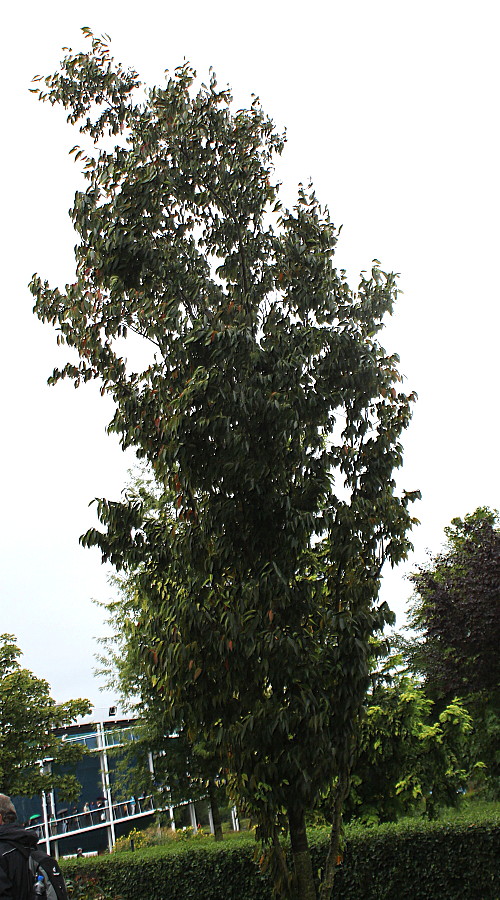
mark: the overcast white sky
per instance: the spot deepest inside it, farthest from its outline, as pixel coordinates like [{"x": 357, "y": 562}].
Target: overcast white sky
[{"x": 391, "y": 108}]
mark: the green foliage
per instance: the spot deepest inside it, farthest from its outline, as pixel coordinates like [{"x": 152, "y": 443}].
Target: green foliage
[
  {"x": 152, "y": 837},
  {"x": 456, "y": 616},
  {"x": 410, "y": 756},
  {"x": 28, "y": 717},
  {"x": 183, "y": 870},
  {"x": 140, "y": 838},
  {"x": 456, "y": 608},
  {"x": 446, "y": 860},
  {"x": 87, "y": 888},
  {"x": 267, "y": 408},
  {"x": 436, "y": 862},
  {"x": 182, "y": 767}
]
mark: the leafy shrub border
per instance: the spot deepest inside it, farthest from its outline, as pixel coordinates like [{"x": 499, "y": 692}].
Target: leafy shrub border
[{"x": 415, "y": 860}]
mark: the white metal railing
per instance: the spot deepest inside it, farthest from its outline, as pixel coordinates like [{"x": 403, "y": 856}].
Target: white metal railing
[
  {"x": 95, "y": 740},
  {"x": 67, "y": 823}
]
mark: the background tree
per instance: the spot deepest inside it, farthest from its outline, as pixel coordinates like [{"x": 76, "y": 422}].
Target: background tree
[
  {"x": 268, "y": 409},
  {"x": 28, "y": 717},
  {"x": 455, "y": 613}
]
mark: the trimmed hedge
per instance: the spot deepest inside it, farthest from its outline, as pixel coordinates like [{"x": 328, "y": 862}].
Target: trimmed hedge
[
  {"x": 190, "y": 871},
  {"x": 414, "y": 861},
  {"x": 434, "y": 862}
]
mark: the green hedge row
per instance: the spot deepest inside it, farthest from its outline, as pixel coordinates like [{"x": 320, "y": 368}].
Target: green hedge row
[
  {"x": 419, "y": 861},
  {"x": 190, "y": 871}
]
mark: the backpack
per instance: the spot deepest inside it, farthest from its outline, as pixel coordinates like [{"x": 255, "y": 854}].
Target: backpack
[{"x": 40, "y": 863}]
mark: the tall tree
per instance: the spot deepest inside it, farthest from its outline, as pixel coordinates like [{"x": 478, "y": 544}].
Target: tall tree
[
  {"x": 267, "y": 408},
  {"x": 455, "y": 613},
  {"x": 28, "y": 719}
]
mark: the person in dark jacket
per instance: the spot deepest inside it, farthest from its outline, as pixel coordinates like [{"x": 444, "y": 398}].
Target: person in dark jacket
[{"x": 15, "y": 846}]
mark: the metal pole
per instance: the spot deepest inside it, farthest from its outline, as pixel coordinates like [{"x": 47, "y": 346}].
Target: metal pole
[
  {"x": 106, "y": 784},
  {"x": 234, "y": 819},
  {"x": 46, "y": 822},
  {"x": 53, "y": 819}
]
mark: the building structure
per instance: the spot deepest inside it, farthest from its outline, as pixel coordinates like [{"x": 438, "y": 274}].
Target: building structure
[{"x": 100, "y": 817}]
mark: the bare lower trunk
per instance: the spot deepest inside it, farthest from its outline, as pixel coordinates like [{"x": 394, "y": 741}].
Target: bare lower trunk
[
  {"x": 214, "y": 806},
  {"x": 301, "y": 856},
  {"x": 332, "y": 859}
]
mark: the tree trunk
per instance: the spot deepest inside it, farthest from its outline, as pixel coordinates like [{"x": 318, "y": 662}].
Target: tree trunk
[
  {"x": 214, "y": 806},
  {"x": 342, "y": 790},
  {"x": 301, "y": 856}
]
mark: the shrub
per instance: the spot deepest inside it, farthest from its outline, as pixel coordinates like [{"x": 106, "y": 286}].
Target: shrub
[
  {"x": 140, "y": 839},
  {"x": 85, "y": 887},
  {"x": 154, "y": 836}
]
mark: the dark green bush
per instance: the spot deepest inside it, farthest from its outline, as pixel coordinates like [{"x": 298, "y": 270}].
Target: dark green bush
[{"x": 417, "y": 860}]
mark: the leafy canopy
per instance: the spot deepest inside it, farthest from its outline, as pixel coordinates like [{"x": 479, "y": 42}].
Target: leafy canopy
[{"x": 28, "y": 717}]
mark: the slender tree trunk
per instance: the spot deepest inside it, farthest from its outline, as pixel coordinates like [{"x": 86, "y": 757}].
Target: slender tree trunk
[
  {"x": 282, "y": 875},
  {"x": 342, "y": 790},
  {"x": 301, "y": 856},
  {"x": 214, "y": 806}
]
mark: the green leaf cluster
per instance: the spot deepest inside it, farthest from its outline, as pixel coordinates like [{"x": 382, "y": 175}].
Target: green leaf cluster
[
  {"x": 28, "y": 717},
  {"x": 410, "y": 756}
]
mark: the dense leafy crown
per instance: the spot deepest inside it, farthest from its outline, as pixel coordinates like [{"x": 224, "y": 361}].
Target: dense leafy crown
[{"x": 265, "y": 404}]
